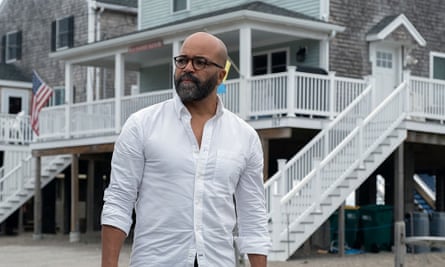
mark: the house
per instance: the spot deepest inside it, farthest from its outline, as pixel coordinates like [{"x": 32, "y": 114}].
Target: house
[
  {"x": 29, "y": 31},
  {"x": 339, "y": 92}
]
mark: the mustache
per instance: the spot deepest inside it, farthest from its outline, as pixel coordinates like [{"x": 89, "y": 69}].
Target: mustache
[{"x": 188, "y": 76}]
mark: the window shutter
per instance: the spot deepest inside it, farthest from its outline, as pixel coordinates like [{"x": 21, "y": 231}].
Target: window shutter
[
  {"x": 53, "y": 36},
  {"x": 19, "y": 46},
  {"x": 71, "y": 31},
  {"x": 3, "y": 49}
]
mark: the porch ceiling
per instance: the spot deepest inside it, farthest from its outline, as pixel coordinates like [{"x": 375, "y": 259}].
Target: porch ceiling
[{"x": 136, "y": 60}]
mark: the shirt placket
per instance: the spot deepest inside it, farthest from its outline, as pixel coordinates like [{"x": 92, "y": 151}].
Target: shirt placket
[{"x": 199, "y": 191}]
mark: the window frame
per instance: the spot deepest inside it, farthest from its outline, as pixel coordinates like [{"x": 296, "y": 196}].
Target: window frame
[
  {"x": 53, "y": 99},
  {"x": 16, "y": 46},
  {"x": 57, "y": 33},
  {"x": 432, "y": 56},
  {"x": 187, "y": 7},
  {"x": 269, "y": 58}
]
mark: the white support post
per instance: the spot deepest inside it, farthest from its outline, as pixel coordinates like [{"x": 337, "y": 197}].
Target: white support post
[
  {"x": 317, "y": 183},
  {"x": 371, "y": 81},
  {"x": 277, "y": 194},
  {"x": 176, "y": 46},
  {"x": 245, "y": 66},
  {"x": 282, "y": 182},
  {"x": 326, "y": 145},
  {"x": 360, "y": 124},
  {"x": 407, "y": 78},
  {"x": 291, "y": 91},
  {"x": 118, "y": 89},
  {"x": 332, "y": 94},
  {"x": 68, "y": 98}
]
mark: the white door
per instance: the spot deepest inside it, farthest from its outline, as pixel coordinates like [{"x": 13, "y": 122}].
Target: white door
[
  {"x": 14, "y": 101},
  {"x": 386, "y": 70}
]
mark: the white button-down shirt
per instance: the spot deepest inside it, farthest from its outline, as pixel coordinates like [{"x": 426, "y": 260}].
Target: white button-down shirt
[{"x": 183, "y": 193}]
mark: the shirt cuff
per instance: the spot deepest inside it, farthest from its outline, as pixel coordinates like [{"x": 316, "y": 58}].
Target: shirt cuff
[{"x": 254, "y": 245}]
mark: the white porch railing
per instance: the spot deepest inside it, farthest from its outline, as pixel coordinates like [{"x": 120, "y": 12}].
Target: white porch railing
[
  {"x": 15, "y": 129},
  {"x": 281, "y": 94},
  {"x": 427, "y": 98}
]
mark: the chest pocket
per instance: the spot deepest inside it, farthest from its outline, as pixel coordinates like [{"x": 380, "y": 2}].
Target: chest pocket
[{"x": 228, "y": 168}]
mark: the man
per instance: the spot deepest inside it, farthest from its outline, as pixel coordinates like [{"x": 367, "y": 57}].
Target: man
[{"x": 179, "y": 164}]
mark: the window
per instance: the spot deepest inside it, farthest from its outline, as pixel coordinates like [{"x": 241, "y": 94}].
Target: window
[
  {"x": 270, "y": 62},
  {"x": 62, "y": 33},
  {"x": 438, "y": 66},
  {"x": 12, "y": 46},
  {"x": 180, "y": 5},
  {"x": 384, "y": 60},
  {"x": 58, "y": 97}
]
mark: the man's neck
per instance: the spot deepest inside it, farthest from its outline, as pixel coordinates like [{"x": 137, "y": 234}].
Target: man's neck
[{"x": 203, "y": 108}]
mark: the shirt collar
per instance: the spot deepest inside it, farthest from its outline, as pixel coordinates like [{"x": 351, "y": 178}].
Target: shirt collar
[{"x": 181, "y": 110}]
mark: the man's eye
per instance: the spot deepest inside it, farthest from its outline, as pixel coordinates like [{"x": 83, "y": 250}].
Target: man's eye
[
  {"x": 182, "y": 61},
  {"x": 200, "y": 62}
]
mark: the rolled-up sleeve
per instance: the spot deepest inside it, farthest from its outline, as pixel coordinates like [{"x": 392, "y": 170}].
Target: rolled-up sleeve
[
  {"x": 251, "y": 209},
  {"x": 127, "y": 167}
]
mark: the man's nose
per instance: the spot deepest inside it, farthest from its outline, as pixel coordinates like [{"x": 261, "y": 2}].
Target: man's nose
[{"x": 189, "y": 66}]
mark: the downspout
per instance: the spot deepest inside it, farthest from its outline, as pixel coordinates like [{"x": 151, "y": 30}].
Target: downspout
[
  {"x": 98, "y": 38},
  {"x": 93, "y": 74},
  {"x": 324, "y": 50},
  {"x": 91, "y": 39}
]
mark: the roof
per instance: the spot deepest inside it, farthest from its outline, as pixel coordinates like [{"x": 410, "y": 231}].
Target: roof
[
  {"x": 128, "y": 3},
  {"x": 390, "y": 23},
  {"x": 10, "y": 72},
  {"x": 382, "y": 24},
  {"x": 257, "y": 6}
]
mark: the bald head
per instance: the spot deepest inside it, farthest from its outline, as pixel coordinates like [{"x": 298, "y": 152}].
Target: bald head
[{"x": 205, "y": 45}]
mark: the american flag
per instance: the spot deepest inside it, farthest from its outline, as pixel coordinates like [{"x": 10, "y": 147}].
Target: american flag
[{"x": 41, "y": 93}]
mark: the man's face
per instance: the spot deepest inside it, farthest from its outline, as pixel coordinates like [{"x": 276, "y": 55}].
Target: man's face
[
  {"x": 197, "y": 83},
  {"x": 190, "y": 88}
]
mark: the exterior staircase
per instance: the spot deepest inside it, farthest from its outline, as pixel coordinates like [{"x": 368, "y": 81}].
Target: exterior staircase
[
  {"x": 319, "y": 178},
  {"x": 17, "y": 185}
]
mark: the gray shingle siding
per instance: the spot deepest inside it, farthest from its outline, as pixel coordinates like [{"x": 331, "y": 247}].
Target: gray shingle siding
[
  {"x": 349, "y": 51},
  {"x": 34, "y": 19}
]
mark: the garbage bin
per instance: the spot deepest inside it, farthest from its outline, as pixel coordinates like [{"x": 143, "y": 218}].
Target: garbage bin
[
  {"x": 351, "y": 226},
  {"x": 377, "y": 226},
  {"x": 437, "y": 227},
  {"x": 418, "y": 224}
]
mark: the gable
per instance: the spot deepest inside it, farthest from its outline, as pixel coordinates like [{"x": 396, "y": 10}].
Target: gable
[{"x": 398, "y": 27}]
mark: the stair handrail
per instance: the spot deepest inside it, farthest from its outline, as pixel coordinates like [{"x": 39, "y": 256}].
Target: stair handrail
[
  {"x": 358, "y": 131},
  {"x": 272, "y": 183},
  {"x": 424, "y": 191},
  {"x": 10, "y": 175}
]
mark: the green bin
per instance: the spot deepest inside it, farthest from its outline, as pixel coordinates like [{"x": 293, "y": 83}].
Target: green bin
[
  {"x": 377, "y": 226},
  {"x": 352, "y": 217}
]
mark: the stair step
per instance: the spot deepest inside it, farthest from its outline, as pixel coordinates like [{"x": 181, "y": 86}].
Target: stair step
[
  {"x": 307, "y": 222},
  {"x": 22, "y": 194},
  {"x": 14, "y": 200},
  {"x": 277, "y": 250},
  {"x": 297, "y": 232},
  {"x": 343, "y": 185}
]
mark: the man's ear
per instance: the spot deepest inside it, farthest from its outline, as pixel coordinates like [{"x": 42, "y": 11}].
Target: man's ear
[{"x": 221, "y": 75}]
